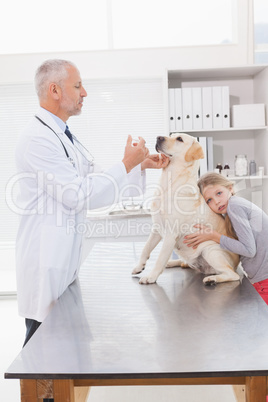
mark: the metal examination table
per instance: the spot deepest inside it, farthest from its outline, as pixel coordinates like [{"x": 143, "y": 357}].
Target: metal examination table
[{"x": 107, "y": 329}]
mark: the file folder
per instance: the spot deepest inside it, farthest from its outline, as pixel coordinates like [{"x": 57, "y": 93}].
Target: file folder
[
  {"x": 203, "y": 162},
  {"x": 225, "y": 107},
  {"x": 207, "y": 107},
  {"x": 178, "y": 109},
  {"x": 217, "y": 107},
  {"x": 171, "y": 103},
  {"x": 210, "y": 162},
  {"x": 197, "y": 108},
  {"x": 187, "y": 117}
]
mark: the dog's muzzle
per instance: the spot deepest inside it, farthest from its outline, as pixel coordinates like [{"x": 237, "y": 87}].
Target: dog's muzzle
[{"x": 159, "y": 143}]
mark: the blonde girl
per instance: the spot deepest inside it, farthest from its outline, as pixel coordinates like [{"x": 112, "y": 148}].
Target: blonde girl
[{"x": 246, "y": 225}]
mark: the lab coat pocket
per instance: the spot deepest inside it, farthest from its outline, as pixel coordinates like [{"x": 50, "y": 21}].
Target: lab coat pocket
[
  {"x": 56, "y": 246},
  {"x": 55, "y": 271}
]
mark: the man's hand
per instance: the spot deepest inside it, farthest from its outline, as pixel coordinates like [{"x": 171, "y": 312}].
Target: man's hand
[
  {"x": 134, "y": 153},
  {"x": 155, "y": 162},
  {"x": 204, "y": 233}
]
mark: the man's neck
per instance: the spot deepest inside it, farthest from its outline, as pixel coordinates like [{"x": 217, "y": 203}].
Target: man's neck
[
  {"x": 57, "y": 119},
  {"x": 55, "y": 110}
]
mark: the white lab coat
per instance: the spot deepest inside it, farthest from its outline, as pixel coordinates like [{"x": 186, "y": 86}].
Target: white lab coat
[{"x": 54, "y": 197}]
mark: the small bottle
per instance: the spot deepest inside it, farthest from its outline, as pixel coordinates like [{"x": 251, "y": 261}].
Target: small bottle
[
  {"x": 226, "y": 170},
  {"x": 261, "y": 171},
  {"x": 219, "y": 166},
  {"x": 241, "y": 165},
  {"x": 252, "y": 168}
]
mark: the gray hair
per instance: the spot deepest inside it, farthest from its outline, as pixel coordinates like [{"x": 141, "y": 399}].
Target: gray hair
[{"x": 54, "y": 70}]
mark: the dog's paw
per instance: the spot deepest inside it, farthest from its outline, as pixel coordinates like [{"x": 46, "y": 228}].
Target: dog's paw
[
  {"x": 210, "y": 280},
  {"x": 146, "y": 280},
  {"x": 173, "y": 263},
  {"x": 138, "y": 269},
  {"x": 177, "y": 263}
]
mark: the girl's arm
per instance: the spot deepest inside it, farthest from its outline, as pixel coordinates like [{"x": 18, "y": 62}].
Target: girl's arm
[
  {"x": 245, "y": 245},
  {"x": 204, "y": 233}
]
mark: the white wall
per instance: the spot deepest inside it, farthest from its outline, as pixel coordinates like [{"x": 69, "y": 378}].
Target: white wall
[
  {"x": 125, "y": 63},
  {"x": 142, "y": 62}
]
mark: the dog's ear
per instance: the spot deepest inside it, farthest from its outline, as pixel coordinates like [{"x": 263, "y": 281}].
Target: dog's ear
[{"x": 194, "y": 153}]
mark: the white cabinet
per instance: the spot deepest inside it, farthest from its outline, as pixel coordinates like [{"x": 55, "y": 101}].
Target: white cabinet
[{"x": 247, "y": 85}]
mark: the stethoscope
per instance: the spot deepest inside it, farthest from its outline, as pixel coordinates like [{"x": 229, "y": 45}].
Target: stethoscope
[{"x": 88, "y": 158}]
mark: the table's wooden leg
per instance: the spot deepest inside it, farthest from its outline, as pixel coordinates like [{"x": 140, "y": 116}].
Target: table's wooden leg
[
  {"x": 256, "y": 389},
  {"x": 239, "y": 391},
  {"x": 63, "y": 391},
  {"x": 44, "y": 389},
  {"x": 28, "y": 390},
  {"x": 81, "y": 394},
  {"x": 59, "y": 390}
]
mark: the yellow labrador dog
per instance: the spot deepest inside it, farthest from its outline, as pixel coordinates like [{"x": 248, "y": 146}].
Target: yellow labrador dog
[{"x": 178, "y": 206}]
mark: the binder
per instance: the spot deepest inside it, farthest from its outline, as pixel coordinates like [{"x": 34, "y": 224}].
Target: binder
[
  {"x": 225, "y": 107},
  {"x": 217, "y": 107},
  {"x": 207, "y": 107},
  {"x": 171, "y": 103},
  {"x": 210, "y": 159},
  {"x": 197, "y": 108},
  {"x": 203, "y": 162},
  {"x": 178, "y": 109},
  {"x": 187, "y": 117}
]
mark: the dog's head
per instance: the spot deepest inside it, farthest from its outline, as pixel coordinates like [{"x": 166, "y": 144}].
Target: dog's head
[{"x": 180, "y": 146}]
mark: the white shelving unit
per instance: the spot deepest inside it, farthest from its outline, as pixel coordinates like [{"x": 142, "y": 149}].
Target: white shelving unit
[
  {"x": 248, "y": 177},
  {"x": 231, "y": 129},
  {"x": 247, "y": 85}
]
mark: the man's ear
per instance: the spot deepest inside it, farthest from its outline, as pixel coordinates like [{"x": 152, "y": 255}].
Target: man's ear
[
  {"x": 54, "y": 90},
  {"x": 194, "y": 153}
]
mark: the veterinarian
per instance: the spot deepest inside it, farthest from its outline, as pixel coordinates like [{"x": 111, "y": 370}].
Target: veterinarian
[
  {"x": 59, "y": 181},
  {"x": 247, "y": 229}
]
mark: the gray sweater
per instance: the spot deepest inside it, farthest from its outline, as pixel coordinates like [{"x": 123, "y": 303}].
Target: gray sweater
[{"x": 251, "y": 226}]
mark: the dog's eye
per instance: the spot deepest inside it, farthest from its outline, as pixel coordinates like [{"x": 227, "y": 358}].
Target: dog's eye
[{"x": 179, "y": 139}]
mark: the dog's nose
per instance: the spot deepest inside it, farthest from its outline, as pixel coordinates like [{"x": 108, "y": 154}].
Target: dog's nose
[{"x": 159, "y": 141}]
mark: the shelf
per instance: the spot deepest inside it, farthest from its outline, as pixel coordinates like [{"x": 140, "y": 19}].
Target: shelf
[
  {"x": 230, "y": 129},
  {"x": 216, "y": 73},
  {"x": 247, "y": 85},
  {"x": 247, "y": 177}
]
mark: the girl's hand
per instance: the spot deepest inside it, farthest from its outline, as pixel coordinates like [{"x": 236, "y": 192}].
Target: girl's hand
[{"x": 204, "y": 233}]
